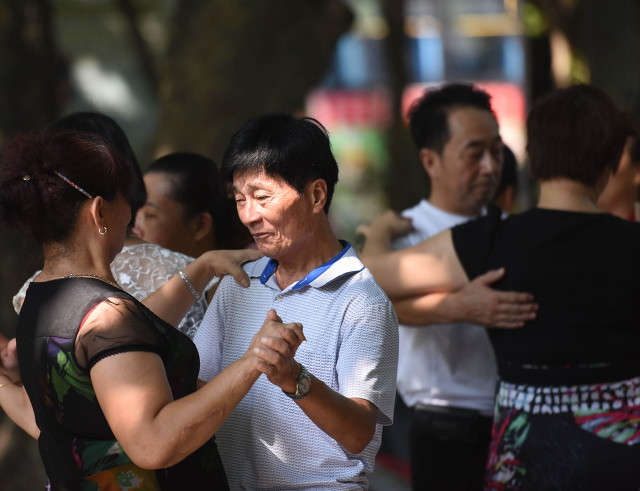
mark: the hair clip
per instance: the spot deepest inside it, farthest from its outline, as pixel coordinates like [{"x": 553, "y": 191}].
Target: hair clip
[
  {"x": 26, "y": 178},
  {"x": 72, "y": 184}
]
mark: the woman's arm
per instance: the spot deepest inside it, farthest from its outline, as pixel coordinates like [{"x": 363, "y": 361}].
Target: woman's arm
[
  {"x": 427, "y": 283},
  {"x": 476, "y": 302},
  {"x": 172, "y": 301},
  {"x": 15, "y": 402},
  {"x": 432, "y": 266},
  {"x": 156, "y": 431},
  {"x": 13, "y": 398}
]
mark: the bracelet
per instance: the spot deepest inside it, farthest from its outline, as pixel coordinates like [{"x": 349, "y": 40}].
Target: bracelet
[{"x": 187, "y": 282}]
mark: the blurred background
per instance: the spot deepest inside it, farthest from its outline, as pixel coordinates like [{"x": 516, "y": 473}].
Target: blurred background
[{"x": 182, "y": 75}]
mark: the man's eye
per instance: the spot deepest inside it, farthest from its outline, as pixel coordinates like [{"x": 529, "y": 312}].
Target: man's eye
[{"x": 261, "y": 198}]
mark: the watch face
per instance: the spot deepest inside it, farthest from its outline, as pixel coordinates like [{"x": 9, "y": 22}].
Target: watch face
[{"x": 304, "y": 384}]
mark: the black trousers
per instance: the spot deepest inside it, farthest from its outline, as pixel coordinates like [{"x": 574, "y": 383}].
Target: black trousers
[{"x": 449, "y": 448}]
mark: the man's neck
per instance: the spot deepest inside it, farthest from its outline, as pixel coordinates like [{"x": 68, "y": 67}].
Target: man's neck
[
  {"x": 300, "y": 263},
  {"x": 448, "y": 207}
]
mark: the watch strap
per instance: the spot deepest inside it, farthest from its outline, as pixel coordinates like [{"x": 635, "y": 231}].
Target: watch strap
[{"x": 297, "y": 395}]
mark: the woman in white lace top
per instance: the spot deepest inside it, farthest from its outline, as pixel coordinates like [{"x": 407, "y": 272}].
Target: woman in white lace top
[{"x": 140, "y": 269}]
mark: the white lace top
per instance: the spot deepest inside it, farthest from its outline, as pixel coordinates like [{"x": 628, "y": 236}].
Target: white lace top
[{"x": 141, "y": 269}]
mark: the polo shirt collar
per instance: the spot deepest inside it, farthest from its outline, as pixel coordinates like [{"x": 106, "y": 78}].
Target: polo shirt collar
[{"x": 345, "y": 262}]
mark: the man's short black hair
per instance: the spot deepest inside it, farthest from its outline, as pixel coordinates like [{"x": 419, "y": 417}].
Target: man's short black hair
[
  {"x": 295, "y": 149},
  {"x": 428, "y": 115}
]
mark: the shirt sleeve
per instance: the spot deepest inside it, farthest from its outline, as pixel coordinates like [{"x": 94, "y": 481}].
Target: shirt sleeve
[
  {"x": 368, "y": 358},
  {"x": 113, "y": 326},
  {"x": 210, "y": 335}
]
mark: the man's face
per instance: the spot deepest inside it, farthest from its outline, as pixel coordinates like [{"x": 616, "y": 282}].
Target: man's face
[
  {"x": 279, "y": 219},
  {"x": 466, "y": 174}
]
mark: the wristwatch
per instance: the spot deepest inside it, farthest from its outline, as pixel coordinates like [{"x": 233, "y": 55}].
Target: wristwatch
[{"x": 303, "y": 385}]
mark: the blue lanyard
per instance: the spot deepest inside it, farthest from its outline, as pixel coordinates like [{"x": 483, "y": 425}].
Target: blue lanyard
[{"x": 272, "y": 265}]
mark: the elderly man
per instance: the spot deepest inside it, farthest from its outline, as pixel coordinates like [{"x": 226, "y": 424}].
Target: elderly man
[{"x": 315, "y": 420}]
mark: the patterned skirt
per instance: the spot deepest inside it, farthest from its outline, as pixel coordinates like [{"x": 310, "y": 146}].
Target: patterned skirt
[{"x": 583, "y": 437}]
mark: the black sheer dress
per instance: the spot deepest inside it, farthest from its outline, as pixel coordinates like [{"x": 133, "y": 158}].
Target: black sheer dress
[{"x": 56, "y": 351}]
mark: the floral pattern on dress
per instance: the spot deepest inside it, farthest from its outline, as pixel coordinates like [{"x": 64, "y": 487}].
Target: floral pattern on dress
[{"x": 545, "y": 437}]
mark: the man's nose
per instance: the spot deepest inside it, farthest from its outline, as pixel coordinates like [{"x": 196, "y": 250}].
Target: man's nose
[
  {"x": 249, "y": 213},
  {"x": 489, "y": 164}
]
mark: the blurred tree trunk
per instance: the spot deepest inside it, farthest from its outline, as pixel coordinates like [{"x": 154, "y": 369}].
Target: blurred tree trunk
[
  {"x": 139, "y": 45},
  {"x": 30, "y": 65},
  {"x": 406, "y": 181},
  {"x": 230, "y": 60},
  {"x": 606, "y": 35},
  {"x": 30, "y": 85},
  {"x": 30, "y": 75}
]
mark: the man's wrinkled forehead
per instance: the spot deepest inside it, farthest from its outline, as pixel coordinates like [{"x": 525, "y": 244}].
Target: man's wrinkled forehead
[{"x": 248, "y": 180}]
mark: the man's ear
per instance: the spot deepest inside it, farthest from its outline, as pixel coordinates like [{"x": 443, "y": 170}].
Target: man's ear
[
  {"x": 201, "y": 225},
  {"x": 317, "y": 192},
  {"x": 430, "y": 161}
]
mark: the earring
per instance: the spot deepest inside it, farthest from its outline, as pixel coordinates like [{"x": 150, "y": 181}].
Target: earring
[{"x": 101, "y": 232}]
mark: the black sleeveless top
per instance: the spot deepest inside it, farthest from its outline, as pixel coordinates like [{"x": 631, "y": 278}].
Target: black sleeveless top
[
  {"x": 56, "y": 351},
  {"x": 584, "y": 272}
]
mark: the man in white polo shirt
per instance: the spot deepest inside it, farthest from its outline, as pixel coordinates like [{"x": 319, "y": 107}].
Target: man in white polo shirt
[
  {"x": 315, "y": 419},
  {"x": 447, "y": 370}
]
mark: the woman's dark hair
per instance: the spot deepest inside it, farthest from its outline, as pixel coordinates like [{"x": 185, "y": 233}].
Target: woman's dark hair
[
  {"x": 198, "y": 187},
  {"x": 509, "y": 175},
  {"x": 634, "y": 151},
  {"x": 576, "y": 133},
  {"x": 429, "y": 115},
  {"x": 634, "y": 137},
  {"x": 296, "y": 150},
  {"x": 35, "y": 199},
  {"x": 106, "y": 127}
]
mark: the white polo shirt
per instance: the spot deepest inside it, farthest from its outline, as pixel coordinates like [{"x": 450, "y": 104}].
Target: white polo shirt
[
  {"x": 351, "y": 345},
  {"x": 443, "y": 364}
]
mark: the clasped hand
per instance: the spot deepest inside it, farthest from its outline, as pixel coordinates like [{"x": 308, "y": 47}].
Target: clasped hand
[{"x": 274, "y": 347}]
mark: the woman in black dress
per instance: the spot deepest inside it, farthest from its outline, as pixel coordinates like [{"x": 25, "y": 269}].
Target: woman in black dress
[
  {"x": 112, "y": 384},
  {"x": 568, "y": 403}
]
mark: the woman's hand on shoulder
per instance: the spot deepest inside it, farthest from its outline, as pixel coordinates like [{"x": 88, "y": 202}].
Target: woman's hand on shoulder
[
  {"x": 385, "y": 228},
  {"x": 223, "y": 262}
]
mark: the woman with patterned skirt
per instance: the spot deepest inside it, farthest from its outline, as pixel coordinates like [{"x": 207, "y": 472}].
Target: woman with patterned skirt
[{"x": 568, "y": 402}]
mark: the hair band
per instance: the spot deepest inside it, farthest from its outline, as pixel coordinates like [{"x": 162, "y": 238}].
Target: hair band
[{"x": 71, "y": 183}]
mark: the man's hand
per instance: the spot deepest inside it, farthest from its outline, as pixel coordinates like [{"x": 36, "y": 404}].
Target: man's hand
[
  {"x": 476, "y": 302},
  {"x": 275, "y": 346},
  {"x": 480, "y": 304}
]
